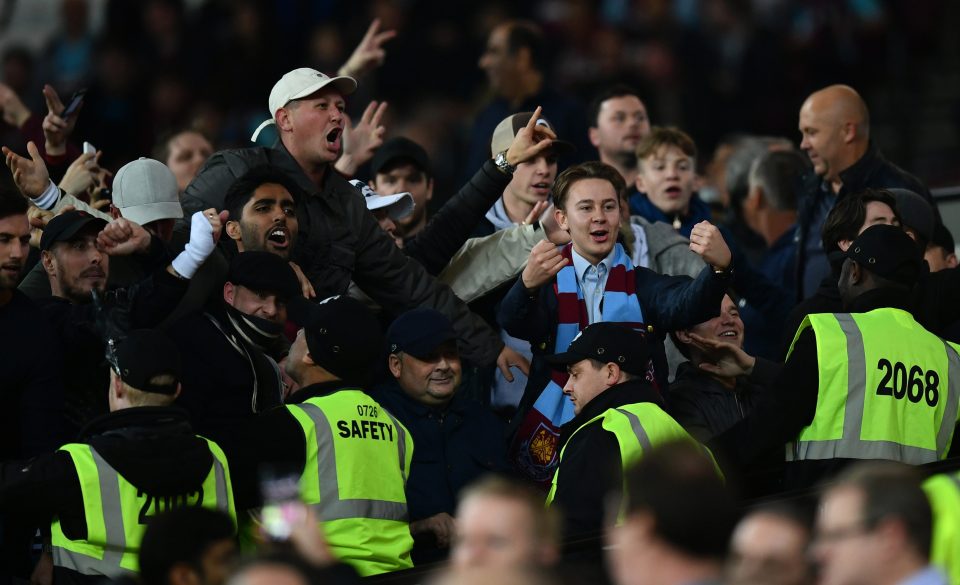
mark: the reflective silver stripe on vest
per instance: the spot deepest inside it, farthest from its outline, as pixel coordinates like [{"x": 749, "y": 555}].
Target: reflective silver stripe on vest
[
  {"x": 948, "y": 423},
  {"x": 850, "y": 446},
  {"x": 638, "y": 429},
  {"x": 331, "y": 507},
  {"x": 401, "y": 443},
  {"x": 113, "y": 525},
  {"x": 220, "y": 479},
  {"x": 116, "y": 536}
]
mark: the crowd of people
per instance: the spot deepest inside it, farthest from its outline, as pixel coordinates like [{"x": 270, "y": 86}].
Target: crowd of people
[{"x": 575, "y": 368}]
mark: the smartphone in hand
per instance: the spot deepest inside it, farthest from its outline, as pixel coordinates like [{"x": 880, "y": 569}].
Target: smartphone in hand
[
  {"x": 282, "y": 507},
  {"x": 76, "y": 100}
]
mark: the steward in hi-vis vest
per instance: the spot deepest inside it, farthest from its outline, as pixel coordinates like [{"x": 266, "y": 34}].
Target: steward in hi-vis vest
[
  {"x": 140, "y": 460},
  {"x": 618, "y": 417},
  {"x": 943, "y": 492},
  {"x": 868, "y": 384},
  {"x": 352, "y": 456}
]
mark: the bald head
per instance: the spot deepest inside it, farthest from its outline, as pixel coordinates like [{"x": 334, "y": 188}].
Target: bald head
[{"x": 835, "y": 125}]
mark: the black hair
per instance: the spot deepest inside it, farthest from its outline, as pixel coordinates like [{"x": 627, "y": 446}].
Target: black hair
[
  {"x": 523, "y": 34},
  {"x": 182, "y": 535},
  {"x": 12, "y": 204},
  {"x": 614, "y": 91},
  {"x": 848, "y": 214},
  {"x": 242, "y": 189},
  {"x": 693, "y": 510}
]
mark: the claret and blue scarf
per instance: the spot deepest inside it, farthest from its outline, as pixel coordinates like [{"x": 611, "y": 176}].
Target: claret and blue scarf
[{"x": 534, "y": 450}]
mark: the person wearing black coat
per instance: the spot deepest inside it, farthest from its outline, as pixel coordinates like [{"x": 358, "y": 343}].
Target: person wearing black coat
[
  {"x": 83, "y": 315},
  {"x": 232, "y": 349},
  {"x": 149, "y": 443},
  {"x": 606, "y": 363}
]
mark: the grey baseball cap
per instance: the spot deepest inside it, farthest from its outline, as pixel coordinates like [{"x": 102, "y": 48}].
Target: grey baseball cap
[{"x": 145, "y": 190}]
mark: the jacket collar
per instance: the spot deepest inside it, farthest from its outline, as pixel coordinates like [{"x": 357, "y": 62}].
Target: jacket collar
[
  {"x": 457, "y": 404},
  {"x": 698, "y": 211},
  {"x": 137, "y": 418},
  {"x": 879, "y": 299},
  {"x": 315, "y": 390},
  {"x": 630, "y": 392},
  {"x": 856, "y": 175}
]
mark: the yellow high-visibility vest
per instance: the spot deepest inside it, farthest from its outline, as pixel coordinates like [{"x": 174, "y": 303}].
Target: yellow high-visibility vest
[
  {"x": 358, "y": 461},
  {"x": 943, "y": 492},
  {"x": 888, "y": 389},
  {"x": 116, "y": 513},
  {"x": 638, "y": 428}
]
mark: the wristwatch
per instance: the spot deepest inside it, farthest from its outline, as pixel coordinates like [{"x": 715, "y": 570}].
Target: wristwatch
[
  {"x": 726, "y": 272},
  {"x": 502, "y": 164}
]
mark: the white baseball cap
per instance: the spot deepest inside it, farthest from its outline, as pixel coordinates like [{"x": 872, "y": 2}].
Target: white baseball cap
[
  {"x": 145, "y": 190},
  {"x": 298, "y": 84},
  {"x": 400, "y": 205}
]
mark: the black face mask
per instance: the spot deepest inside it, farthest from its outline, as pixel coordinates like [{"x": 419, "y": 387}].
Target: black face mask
[{"x": 265, "y": 335}]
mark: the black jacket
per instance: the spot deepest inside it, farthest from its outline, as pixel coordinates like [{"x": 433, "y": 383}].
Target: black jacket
[
  {"x": 872, "y": 171},
  {"x": 705, "y": 407},
  {"x": 151, "y": 447},
  {"x": 32, "y": 386},
  {"x": 456, "y": 221},
  {"x": 933, "y": 304},
  {"x": 225, "y": 380},
  {"x": 591, "y": 468},
  {"x": 340, "y": 241},
  {"x": 81, "y": 330}
]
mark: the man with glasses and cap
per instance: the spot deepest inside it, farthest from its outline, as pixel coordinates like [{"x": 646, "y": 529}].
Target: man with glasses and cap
[
  {"x": 139, "y": 460},
  {"x": 339, "y": 239}
]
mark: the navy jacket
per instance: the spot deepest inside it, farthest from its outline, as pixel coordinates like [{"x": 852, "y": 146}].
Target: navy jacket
[
  {"x": 668, "y": 303},
  {"x": 452, "y": 447}
]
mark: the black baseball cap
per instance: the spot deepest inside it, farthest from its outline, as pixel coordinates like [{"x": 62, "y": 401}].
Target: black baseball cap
[
  {"x": 943, "y": 238},
  {"x": 419, "y": 332},
  {"x": 888, "y": 252},
  {"x": 263, "y": 271},
  {"x": 915, "y": 212},
  {"x": 343, "y": 337},
  {"x": 145, "y": 354},
  {"x": 400, "y": 148},
  {"x": 606, "y": 342},
  {"x": 65, "y": 227}
]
